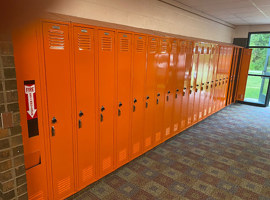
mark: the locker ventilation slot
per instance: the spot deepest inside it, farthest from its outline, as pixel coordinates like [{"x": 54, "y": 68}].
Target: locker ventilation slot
[
  {"x": 84, "y": 42},
  {"x": 37, "y": 196},
  {"x": 140, "y": 46},
  {"x": 56, "y": 39},
  {"x": 106, "y": 43},
  {"x": 124, "y": 44},
  {"x": 122, "y": 155},
  {"x": 87, "y": 173},
  {"x": 63, "y": 185},
  {"x": 164, "y": 47},
  {"x": 153, "y": 46},
  {"x": 174, "y": 47},
  {"x": 107, "y": 162}
]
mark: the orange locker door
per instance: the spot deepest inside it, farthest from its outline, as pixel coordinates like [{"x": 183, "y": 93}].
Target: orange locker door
[
  {"x": 219, "y": 78},
  {"x": 150, "y": 98},
  {"x": 230, "y": 79},
  {"x": 192, "y": 84},
  {"x": 138, "y": 98},
  {"x": 161, "y": 71},
  {"x": 106, "y": 74},
  {"x": 84, "y": 65},
  {"x": 187, "y": 81},
  {"x": 178, "y": 56},
  {"x": 227, "y": 72},
  {"x": 234, "y": 76},
  {"x": 123, "y": 136},
  {"x": 205, "y": 82},
  {"x": 198, "y": 84},
  {"x": 210, "y": 83},
  {"x": 215, "y": 79},
  {"x": 164, "y": 102},
  {"x": 58, "y": 73},
  {"x": 243, "y": 74}
]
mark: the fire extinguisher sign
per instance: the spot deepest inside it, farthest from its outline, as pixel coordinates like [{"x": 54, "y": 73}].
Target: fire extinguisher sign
[{"x": 31, "y": 107}]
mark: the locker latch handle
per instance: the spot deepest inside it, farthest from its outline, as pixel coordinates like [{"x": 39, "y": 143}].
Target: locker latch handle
[
  {"x": 146, "y": 104},
  {"x": 157, "y": 101},
  {"x": 167, "y": 97},
  {"x": 119, "y": 112},
  {"x": 101, "y": 117},
  {"x": 176, "y": 95},
  {"x": 134, "y": 108},
  {"x": 53, "y": 131},
  {"x": 80, "y": 123}
]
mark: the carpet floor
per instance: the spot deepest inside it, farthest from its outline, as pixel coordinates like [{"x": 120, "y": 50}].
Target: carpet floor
[{"x": 226, "y": 156}]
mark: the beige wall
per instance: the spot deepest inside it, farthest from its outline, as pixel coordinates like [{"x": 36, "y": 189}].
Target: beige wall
[
  {"x": 242, "y": 31},
  {"x": 147, "y": 14}
]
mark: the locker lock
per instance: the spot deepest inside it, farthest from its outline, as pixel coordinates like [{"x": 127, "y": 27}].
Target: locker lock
[
  {"x": 185, "y": 88},
  {"x": 120, "y": 104},
  {"x": 135, "y": 100},
  {"x": 147, "y": 97},
  {"x": 54, "y": 120},
  {"x": 177, "y": 90},
  {"x": 80, "y": 114},
  {"x": 208, "y": 82},
  {"x": 102, "y": 108},
  {"x": 158, "y": 94},
  {"x": 169, "y": 92},
  {"x": 202, "y": 83}
]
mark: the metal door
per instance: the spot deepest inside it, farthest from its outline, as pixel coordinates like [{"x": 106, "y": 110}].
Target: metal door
[
  {"x": 205, "y": 83},
  {"x": 178, "y": 55},
  {"x": 164, "y": 100},
  {"x": 150, "y": 98},
  {"x": 59, "y": 99},
  {"x": 202, "y": 51},
  {"x": 123, "y": 136},
  {"x": 106, "y": 74},
  {"x": 138, "y": 96},
  {"x": 185, "y": 108},
  {"x": 84, "y": 66},
  {"x": 192, "y": 84}
]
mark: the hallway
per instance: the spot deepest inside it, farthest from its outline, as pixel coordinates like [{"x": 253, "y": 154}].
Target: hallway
[{"x": 229, "y": 161}]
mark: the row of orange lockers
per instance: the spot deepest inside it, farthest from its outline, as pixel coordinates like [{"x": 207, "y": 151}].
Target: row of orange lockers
[{"x": 106, "y": 96}]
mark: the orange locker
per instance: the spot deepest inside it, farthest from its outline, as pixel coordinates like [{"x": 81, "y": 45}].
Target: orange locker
[
  {"x": 208, "y": 85},
  {"x": 179, "y": 60},
  {"x": 161, "y": 71},
  {"x": 188, "y": 54},
  {"x": 192, "y": 89},
  {"x": 107, "y": 108},
  {"x": 205, "y": 82},
  {"x": 164, "y": 104},
  {"x": 218, "y": 79},
  {"x": 150, "y": 98},
  {"x": 198, "y": 85},
  {"x": 58, "y": 79},
  {"x": 228, "y": 70},
  {"x": 124, "y": 58},
  {"x": 138, "y": 96},
  {"x": 84, "y": 66},
  {"x": 215, "y": 79}
]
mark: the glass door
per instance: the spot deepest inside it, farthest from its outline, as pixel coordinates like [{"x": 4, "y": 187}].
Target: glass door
[{"x": 257, "y": 89}]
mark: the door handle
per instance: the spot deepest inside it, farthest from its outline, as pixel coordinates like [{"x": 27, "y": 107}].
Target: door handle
[
  {"x": 176, "y": 95},
  {"x": 146, "y": 104},
  {"x": 119, "y": 112},
  {"x": 80, "y": 123},
  {"x": 134, "y": 108},
  {"x": 157, "y": 101},
  {"x": 101, "y": 117},
  {"x": 167, "y": 97},
  {"x": 53, "y": 131}
]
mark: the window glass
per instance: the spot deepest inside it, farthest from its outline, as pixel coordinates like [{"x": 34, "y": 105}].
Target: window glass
[
  {"x": 260, "y": 61},
  {"x": 259, "y": 39}
]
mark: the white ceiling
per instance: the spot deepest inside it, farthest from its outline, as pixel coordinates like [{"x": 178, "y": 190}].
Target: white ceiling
[{"x": 236, "y": 12}]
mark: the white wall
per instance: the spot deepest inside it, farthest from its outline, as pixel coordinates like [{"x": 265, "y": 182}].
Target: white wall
[
  {"x": 147, "y": 14},
  {"x": 242, "y": 31}
]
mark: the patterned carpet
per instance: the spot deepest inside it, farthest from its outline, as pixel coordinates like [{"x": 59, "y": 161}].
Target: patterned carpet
[{"x": 226, "y": 156}]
